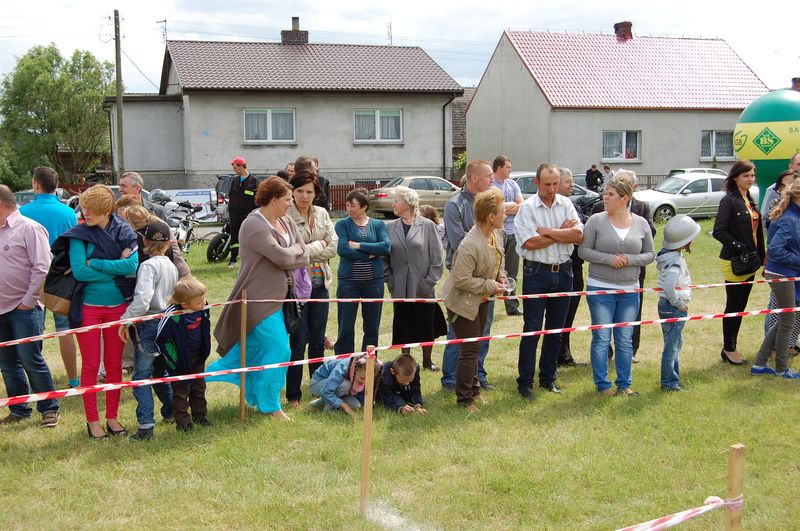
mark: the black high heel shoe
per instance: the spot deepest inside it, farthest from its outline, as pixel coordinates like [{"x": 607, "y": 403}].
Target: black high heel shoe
[
  {"x": 726, "y": 359},
  {"x": 118, "y": 433},
  {"x": 89, "y": 430}
]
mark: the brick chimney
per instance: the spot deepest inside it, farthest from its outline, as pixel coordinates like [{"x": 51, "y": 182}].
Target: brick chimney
[
  {"x": 796, "y": 83},
  {"x": 624, "y": 30},
  {"x": 294, "y": 36}
]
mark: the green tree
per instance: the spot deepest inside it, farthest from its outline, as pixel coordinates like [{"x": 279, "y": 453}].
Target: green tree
[{"x": 52, "y": 107}]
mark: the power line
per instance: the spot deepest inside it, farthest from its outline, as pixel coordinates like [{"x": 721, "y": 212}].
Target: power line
[{"x": 139, "y": 69}]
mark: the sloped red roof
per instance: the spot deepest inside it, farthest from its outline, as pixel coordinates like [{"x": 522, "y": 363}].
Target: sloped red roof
[
  {"x": 318, "y": 67},
  {"x": 594, "y": 70}
]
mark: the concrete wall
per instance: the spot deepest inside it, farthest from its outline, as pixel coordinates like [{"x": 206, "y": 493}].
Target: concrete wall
[
  {"x": 214, "y": 131},
  {"x": 508, "y": 114}
]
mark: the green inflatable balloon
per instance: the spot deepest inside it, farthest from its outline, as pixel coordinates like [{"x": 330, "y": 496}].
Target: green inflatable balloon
[{"x": 768, "y": 133}]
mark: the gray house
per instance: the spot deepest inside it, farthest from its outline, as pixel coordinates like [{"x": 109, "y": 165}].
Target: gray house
[
  {"x": 367, "y": 112},
  {"x": 647, "y": 104}
]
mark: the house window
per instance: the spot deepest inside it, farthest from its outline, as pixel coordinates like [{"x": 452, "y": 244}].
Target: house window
[
  {"x": 717, "y": 144},
  {"x": 378, "y": 125},
  {"x": 269, "y": 125},
  {"x": 621, "y": 145}
]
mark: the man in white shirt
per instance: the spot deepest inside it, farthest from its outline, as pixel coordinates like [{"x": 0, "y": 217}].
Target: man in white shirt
[{"x": 547, "y": 227}]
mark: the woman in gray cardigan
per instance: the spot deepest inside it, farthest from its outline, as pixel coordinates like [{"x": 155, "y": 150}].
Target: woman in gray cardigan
[
  {"x": 413, "y": 268},
  {"x": 616, "y": 243}
]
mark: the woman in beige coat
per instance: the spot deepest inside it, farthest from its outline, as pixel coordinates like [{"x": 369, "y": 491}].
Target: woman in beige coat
[{"x": 478, "y": 272}]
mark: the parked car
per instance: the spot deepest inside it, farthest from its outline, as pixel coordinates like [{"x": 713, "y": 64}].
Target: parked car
[
  {"x": 694, "y": 194},
  {"x": 433, "y": 191},
  {"x": 713, "y": 171},
  {"x": 581, "y": 197},
  {"x": 26, "y": 196},
  {"x": 223, "y": 187}
]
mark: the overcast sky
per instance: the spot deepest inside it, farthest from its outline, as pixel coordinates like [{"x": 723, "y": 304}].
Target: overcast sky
[{"x": 460, "y": 36}]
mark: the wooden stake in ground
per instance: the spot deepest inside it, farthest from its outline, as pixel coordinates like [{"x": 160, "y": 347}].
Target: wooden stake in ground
[
  {"x": 243, "y": 355},
  {"x": 733, "y": 517},
  {"x": 366, "y": 448}
]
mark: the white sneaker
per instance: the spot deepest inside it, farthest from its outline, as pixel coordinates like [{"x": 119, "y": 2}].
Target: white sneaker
[{"x": 231, "y": 265}]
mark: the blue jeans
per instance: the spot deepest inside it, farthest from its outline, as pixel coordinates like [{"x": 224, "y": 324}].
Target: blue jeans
[
  {"x": 552, "y": 312},
  {"x": 606, "y": 309},
  {"x": 450, "y": 357},
  {"x": 370, "y": 313},
  {"x": 61, "y": 321},
  {"x": 673, "y": 340},
  {"x": 311, "y": 332},
  {"x": 20, "y": 360},
  {"x": 145, "y": 367}
]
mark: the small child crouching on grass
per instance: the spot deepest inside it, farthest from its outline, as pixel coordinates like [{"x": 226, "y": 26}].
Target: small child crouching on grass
[
  {"x": 185, "y": 342},
  {"x": 400, "y": 388},
  {"x": 673, "y": 273},
  {"x": 340, "y": 384}
]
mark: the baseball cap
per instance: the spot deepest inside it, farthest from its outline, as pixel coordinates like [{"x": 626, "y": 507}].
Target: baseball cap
[
  {"x": 157, "y": 231},
  {"x": 240, "y": 161}
]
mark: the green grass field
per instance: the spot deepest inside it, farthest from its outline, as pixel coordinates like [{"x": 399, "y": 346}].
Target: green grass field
[{"x": 574, "y": 461}]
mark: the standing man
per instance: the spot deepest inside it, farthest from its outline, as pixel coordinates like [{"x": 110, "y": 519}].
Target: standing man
[
  {"x": 324, "y": 198},
  {"x": 594, "y": 178},
  {"x": 131, "y": 183},
  {"x": 607, "y": 173},
  {"x": 24, "y": 261},
  {"x": 513, "y": 199},
  {"x": 640, "y": 208},
  {"x": 459, "y": 217},
  {"x": 565, "y": 358},
  {"x": 547, "y": 228},
  {"x": 241, "y": 201},
  {"x": 56, "y": 218}
]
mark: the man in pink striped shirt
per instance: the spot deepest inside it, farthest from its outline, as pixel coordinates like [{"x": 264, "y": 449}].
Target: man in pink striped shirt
[{"x": 24, "y": 261}]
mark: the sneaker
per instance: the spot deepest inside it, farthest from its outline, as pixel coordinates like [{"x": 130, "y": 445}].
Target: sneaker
[
  {"x": 50, "y": 419},
  {"x": 142, "y": 434},
  {"x": 11, "y": 419},
  {"x": 204, "y": 422},
  {"x": 318, "y": 403},
  {"x": 761, "y": 371},
  {"x": 231, "y": 265},
  {"x": 789, "y": 374}
]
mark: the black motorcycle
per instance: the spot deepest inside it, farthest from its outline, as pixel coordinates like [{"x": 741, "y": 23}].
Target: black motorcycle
[{"x": 220, "y": 245}]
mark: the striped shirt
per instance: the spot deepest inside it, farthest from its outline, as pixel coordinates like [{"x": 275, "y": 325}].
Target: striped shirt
[
  {"x": 533, "y": 213},
  {"x": 362, "y": 269}
]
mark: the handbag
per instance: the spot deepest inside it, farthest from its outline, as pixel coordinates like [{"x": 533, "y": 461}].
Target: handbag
[
  {"x": 56, "y": 292},
  {"x": 746, "y": 263},
  {"x": 292, "y": 310}
]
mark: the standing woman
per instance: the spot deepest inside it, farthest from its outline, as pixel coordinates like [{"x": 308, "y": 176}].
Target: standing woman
[
  {"x": 738, "y": 227},
  {"x": 478, "y": 272},
  {"x": 783, "y": 260},
  {"x": 616, "y": 244},
  {"x": 316, "y": 229},
  {"x": 270, "y": 248},
  {"x": 414, "y": 268},
  {"x": 362, "y": 243},
  {"x": 102, "y": 253}
]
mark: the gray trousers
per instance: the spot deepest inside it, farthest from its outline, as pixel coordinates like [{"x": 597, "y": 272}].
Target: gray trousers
[
  {"x": 778, "y": 336},
  {"x": 512, "y": 270}
]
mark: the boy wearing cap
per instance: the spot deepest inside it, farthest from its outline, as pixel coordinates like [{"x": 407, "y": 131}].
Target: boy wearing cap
[
  {"x": 674, "y": 273},
  {"x": 241, "y": 201},
  {"x": 155, "y": 281}
]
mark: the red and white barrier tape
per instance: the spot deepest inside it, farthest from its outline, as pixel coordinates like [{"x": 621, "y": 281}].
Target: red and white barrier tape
[
  {"x": 110, "y": 324},
  {"x": 36, "y": 397},
  {"x": 102, "y": 388},
  {"x": 711, "y": 503}
]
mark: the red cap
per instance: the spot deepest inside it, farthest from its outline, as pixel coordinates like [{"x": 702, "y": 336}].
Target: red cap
[{"x": 240, "y": 161}]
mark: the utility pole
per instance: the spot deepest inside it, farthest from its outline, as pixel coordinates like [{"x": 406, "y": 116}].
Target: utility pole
[
  {"x": 389, "y": 32},
  {"x": 120, "y": 143}
]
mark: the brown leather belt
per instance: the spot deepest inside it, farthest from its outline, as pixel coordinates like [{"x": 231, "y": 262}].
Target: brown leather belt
[{"x": 554, "y": 268}]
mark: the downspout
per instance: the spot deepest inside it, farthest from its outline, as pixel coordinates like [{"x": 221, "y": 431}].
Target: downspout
[{"x": 444, "y": 137}]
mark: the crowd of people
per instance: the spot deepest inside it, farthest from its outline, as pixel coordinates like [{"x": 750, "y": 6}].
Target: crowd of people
[{"x": 123, "y": 264}]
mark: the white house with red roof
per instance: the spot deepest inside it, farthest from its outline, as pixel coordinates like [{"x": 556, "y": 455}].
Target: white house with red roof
[
  {"x": 367, "y": 112},
  {"x": 646, "y": 104}
]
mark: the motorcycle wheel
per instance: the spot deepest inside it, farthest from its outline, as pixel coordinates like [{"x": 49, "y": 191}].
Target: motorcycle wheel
[{"x": 218, "y": 247}]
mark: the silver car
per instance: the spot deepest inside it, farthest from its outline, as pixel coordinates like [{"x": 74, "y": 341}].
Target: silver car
[
  {"x": 694, "y": 194},
  {"x": 432, "y": 190}
]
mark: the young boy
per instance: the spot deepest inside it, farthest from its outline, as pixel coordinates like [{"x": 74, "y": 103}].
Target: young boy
[
  {"x": 673, "y": 273},
  {"x": 155, "y": 281},
  {"x": 185, "y": 342},
  {"x": 400, "y": 390}
]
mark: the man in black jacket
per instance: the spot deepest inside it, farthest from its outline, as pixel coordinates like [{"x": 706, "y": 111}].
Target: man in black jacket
[
  {"x": 594, "y": 178},
  {"x": 640, "y": 208},
  {"x": 241, "y": 201}
]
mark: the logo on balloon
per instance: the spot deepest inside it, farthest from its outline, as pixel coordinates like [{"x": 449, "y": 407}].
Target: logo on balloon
[
  {"x": 739, "y": 141},
  {"x": 766, "y": 141}
]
